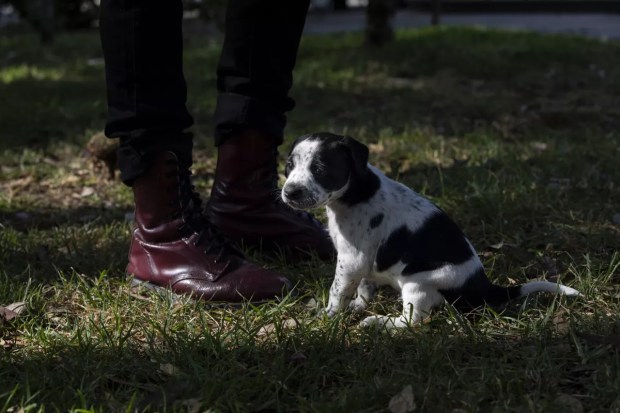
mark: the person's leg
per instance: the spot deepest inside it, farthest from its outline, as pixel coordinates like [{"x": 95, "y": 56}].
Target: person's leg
[
  {"x": 172, "y": 244},
  {"x": 142, "y": 46},
  {"x": 254, "y": 78},
  {"x": 255, "y": 71}
]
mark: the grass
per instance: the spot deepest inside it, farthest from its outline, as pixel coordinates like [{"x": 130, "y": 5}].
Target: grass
[{"x": 516, "y": 135}]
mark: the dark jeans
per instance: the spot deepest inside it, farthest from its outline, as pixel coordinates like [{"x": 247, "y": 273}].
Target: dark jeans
[{"x": 143, "y": 51}]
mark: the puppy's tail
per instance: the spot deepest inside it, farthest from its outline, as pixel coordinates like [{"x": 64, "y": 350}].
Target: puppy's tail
[
  {"x": 536, "y": 286},
  {"x": 479, "y": 291},
  {"x": 497, "y": 295}
]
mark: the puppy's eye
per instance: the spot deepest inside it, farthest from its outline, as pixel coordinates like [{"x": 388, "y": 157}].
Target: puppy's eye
[
  {"x": 289, "y": 167},
  {"x": 315, "y": 168},
  {"x": 318, "y": 168}
]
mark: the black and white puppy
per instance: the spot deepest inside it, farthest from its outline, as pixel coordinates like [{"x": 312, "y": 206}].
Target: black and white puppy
[{"x": 386, "y": 234}]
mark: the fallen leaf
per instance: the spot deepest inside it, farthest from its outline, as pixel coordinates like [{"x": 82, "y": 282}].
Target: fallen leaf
[
  {"x": 539, "y": 146},
  {"x": 87, "y": 191},
  {"x": 11, "y": 311},
  {"x": 169, "y": 369},
  {"x": 6, "y": 314},
  {"x": 266, "y": 330},
  {"x": 403, "y": 402},
  {"x": 376, "y": 148},
  {"x": 270, "y": 328},
  {"x": 20, "y": 183},
  {"x": 311, "y": 304},
  {"x": 17, "y": 307}
]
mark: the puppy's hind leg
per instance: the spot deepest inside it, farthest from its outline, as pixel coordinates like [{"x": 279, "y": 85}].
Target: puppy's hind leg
[
  {"x": 417, "y": 304},
  {"x": 366, "y": 291}
]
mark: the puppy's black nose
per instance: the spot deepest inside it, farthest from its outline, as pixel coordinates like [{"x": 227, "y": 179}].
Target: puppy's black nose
[{"x": 293, "y": 193}]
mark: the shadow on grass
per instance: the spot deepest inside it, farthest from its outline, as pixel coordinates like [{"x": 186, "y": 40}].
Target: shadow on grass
[
  {"x": 450, "y": 79},
  {"x": 320, "y": 371},
  {"x": 37, "y": 113},
  {"x": 40, "y": 244},
  {"x": 46, "y": 218}
]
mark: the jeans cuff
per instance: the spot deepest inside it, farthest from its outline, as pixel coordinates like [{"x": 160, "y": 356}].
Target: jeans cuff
[
  {"x": 135, "y": 155},
  {"x": 235, "y": 113}
]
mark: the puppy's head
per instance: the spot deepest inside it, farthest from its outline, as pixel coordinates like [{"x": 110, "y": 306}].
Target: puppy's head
[{"x": 320, "y": 167}]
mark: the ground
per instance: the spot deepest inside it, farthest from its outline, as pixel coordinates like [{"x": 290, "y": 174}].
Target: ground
[{"x": 515, "y": 135}]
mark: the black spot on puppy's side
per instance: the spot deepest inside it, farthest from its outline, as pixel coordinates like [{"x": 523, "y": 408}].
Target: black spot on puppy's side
[
  {"x": 438, "y": 242},
  {"x": 376, "y": 220},
  {"x": 470, "y": 295},
  {"x": 478, "y": 291}
]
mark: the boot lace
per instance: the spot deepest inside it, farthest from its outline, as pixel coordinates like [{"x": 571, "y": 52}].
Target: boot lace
[{"x": 194, "y": 220}]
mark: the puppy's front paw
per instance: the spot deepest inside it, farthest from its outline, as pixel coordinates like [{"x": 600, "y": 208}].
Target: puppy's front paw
[
  {"x": 373, "y": 321},
  {"x": 357, "y": 306},
  {"x": 381, "y": 321},
  {"x": 329, "y": 313}
]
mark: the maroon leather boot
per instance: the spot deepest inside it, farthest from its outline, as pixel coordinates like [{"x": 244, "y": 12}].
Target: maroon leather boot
[
  {"x": 245, "y": 202},
  {"x": 174, "y": 247}
]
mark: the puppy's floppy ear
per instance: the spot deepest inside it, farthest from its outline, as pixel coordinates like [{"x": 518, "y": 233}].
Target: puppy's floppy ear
[{"x": 358, "y": 152}]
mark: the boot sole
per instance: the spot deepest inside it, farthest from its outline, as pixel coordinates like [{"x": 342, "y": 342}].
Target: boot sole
[{"x": 177, "y": 298}]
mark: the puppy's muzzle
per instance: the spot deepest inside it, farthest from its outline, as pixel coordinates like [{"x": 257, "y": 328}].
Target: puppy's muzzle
[{"x": 298, "y": 197}]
